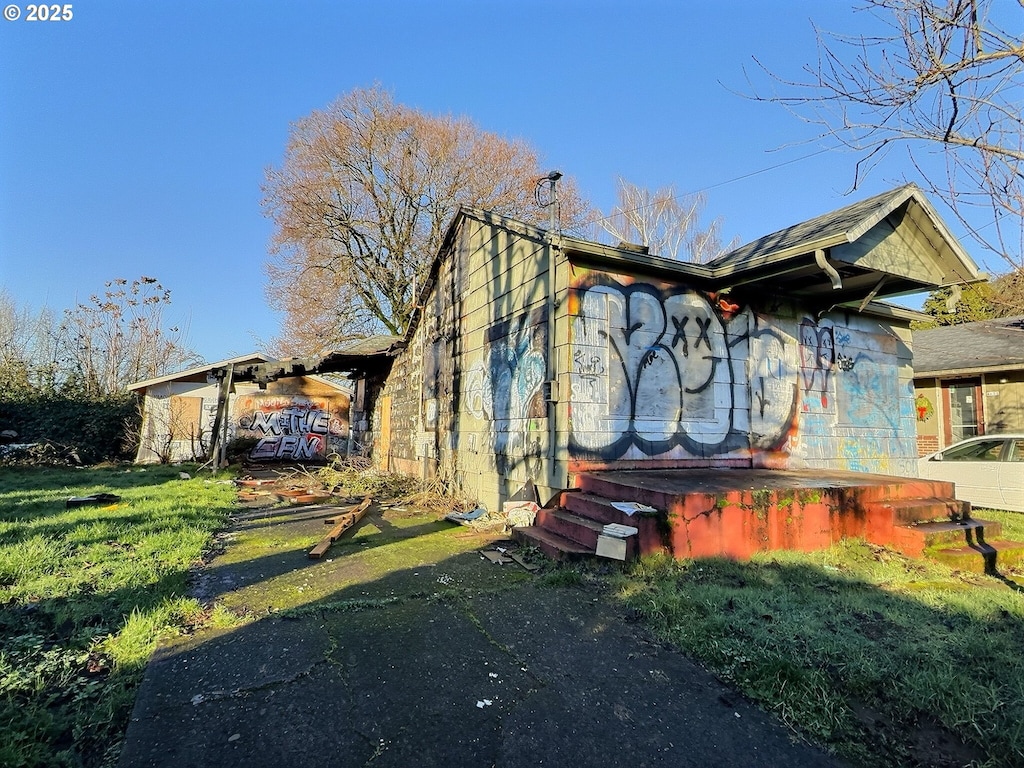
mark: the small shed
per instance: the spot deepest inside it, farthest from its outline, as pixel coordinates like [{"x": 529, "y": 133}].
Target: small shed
[
  {"x": 296, "y": 418},
  {"x": 968, "y": 380}
]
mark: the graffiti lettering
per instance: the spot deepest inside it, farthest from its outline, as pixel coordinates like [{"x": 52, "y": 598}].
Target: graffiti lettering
[
  {"x": 817, "y": 358},
  {"x": 657, "y": 398},
  {"x": 289, "y": 428},
  {"x": 289, "y": 447},
  {"x": 503, "y": 387}
]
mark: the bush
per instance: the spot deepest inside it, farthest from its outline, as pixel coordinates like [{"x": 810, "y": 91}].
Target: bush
[{"x": 92, "y": 429}]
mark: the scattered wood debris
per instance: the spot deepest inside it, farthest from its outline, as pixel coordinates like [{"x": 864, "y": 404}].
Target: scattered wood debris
[
  {"x": 341, "y": 524},
  {"x": 502, "y": 555}
]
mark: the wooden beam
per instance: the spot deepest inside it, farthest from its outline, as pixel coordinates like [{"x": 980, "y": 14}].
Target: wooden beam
[{"x": 341, "y": 524}]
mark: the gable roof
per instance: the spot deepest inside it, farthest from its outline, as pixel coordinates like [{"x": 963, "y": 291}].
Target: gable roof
[
  {"x": 890, "y": 244},
  {"x": 987, "y": 345}
]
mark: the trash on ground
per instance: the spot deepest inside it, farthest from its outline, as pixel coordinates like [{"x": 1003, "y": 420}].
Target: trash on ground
[
  {"x": 505, "y": 554},
  {"x": 520, "y": 514},
  {"x": 632, "y": 507},
  {"x": 93, "y": 500},
  {"x": 528, "y": 566},
  {"x": 496, "y": 557},
  {"x": 466, "y": 517}
]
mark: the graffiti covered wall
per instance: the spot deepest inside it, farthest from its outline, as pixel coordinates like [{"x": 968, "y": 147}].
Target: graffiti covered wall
[
  {"x": 663, "y": 372},
  {"x": 291, "y": 427}
]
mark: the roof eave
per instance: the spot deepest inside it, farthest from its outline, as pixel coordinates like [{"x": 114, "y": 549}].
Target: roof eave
[{"x": 967, "y": 371}]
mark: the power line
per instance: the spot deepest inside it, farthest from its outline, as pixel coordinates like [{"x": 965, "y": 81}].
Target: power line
[{"x": 681, "y": 195}]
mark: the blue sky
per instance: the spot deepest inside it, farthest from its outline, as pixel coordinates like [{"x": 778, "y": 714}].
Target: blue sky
[{"x": 134, "y": 137}]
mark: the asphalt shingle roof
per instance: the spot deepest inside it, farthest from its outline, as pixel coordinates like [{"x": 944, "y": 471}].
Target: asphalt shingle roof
[{"x": 971, "y": 346}]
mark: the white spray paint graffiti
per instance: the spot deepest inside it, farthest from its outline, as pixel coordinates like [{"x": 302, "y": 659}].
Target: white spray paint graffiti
[
  {"x": 675, "y": 382},
  {"x": 503, "y": 387}
]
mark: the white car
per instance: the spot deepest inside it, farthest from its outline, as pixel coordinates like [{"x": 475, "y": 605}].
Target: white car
[{"x": 988, "y": 471}]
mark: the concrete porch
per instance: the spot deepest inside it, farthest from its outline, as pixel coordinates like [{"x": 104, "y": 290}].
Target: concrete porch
[{"x": 738, "y": 512}]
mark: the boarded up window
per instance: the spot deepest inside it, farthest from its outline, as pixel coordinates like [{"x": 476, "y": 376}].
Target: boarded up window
[{"x": 186, "y": 415}]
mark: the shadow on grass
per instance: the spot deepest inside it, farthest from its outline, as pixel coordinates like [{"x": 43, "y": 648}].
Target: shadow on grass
[
  {"x": 878, "y": 657},
  {"x": 920, "y": 671},
  {"x": 442, "y": 658}
]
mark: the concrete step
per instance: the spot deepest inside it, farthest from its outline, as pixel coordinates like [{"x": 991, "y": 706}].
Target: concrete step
[
  {"x": 551, "y": 544},
  {"x": 905, "y": 488},
  {"x": 595, "y": 485},
  {"x": 651, "y": 527},
  {"x": 907, "y": 511},
  {"x": 582, "y": 530},
  {"x": 912, "y": 540},
  {"x": 598, "y": 508},
  {"x": 987, "y": 557}
]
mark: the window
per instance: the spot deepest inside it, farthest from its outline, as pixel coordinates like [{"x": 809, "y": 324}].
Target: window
[{"x": 1016, "y": 452}]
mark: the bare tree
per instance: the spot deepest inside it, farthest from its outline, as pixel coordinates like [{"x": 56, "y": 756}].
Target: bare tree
[
  {"x": 667, "y": 223},
  {"x": 28, "y": 352},
  {"x": 121, "y": 337},
  {"x": 947, "y": 74},
  {"x": 361, "y": 202}
]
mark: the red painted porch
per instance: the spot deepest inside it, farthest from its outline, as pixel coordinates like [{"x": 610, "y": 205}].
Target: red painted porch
[{"x": 738, "y": 512}]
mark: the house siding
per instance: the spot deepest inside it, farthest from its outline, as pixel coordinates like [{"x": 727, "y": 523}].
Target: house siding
[
  {"x": 664, "y": 375},
  {"x": 646, "y": 373}
]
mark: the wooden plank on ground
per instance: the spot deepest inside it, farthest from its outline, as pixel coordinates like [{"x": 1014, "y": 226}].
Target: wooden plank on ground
[{"x": 341, "y": 524}]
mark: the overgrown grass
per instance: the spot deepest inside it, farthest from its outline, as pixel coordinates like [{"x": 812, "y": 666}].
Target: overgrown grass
[
  {"x": 85, "y": 593},
  {"x": 855, "y": 647}
]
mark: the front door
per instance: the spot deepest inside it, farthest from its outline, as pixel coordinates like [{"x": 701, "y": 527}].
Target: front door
[{"x": 964, "y": 406}]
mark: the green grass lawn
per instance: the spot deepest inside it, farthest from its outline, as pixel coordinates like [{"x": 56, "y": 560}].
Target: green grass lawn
[
  {"x": 868, "y": 653},
  {"x": 85, "y": 593},
  {"x": 871, "y": 654}
]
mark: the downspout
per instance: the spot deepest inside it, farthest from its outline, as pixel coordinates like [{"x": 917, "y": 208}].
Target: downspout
[{"x": 828, "y": 269}]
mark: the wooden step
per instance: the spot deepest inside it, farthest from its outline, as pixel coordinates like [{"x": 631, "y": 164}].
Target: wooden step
[{"x": 551, "y": 544}]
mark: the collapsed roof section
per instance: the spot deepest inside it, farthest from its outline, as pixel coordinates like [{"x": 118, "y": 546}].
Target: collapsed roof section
[{"x": 361, "y": 358}]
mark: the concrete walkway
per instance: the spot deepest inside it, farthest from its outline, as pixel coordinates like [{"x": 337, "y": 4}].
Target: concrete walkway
[{"x": 405, "y": 648}]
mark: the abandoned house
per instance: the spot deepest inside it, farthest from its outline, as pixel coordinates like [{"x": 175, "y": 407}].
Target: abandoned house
[
  {"x": 543, "y": 359},
  {"x": 298, "y": 418},
  {"x": 536, "y": 357}
]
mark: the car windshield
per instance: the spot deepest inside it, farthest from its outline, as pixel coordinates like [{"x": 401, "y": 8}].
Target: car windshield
[{"x": 983, "y": 450}]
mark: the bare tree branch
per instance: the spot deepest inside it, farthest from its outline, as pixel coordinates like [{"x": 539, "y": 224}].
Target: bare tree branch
[
  {"x": 667, "y": 223},
  {"x": 360, "y": 205},
  {"x": 950, "y": 74}
]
